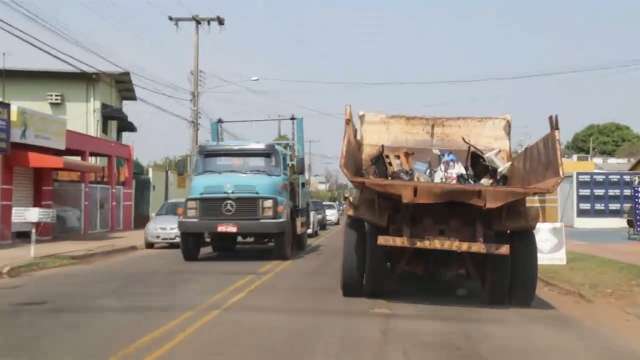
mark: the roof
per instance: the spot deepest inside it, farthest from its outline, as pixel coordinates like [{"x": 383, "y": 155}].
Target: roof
[
  {"x": 124, "y": 83},
  {"x": 612, "y": 167}
]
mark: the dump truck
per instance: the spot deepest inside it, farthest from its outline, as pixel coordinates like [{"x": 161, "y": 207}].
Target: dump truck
[
  {"x": 482, "y": 231},
  {"x": 247, "y": 193}
]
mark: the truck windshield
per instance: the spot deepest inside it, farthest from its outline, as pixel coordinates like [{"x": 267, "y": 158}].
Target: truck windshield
[{"x": 247, "y": 163}]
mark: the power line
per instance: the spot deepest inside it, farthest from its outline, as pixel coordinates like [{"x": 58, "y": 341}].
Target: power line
[
  {"x": 631, "y": 64},
  {"x": 47, "y": 25},
  {"x": 42, "y": 49},
  {"x": 158, "y": 92},
  {"x": 164, "y": 110}
]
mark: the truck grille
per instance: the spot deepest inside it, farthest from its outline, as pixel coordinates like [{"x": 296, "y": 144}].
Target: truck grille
[{"x": 244, "y": 208}]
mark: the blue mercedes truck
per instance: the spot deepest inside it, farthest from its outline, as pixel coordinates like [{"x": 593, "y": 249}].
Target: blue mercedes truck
[{"x": 247, "y": 193}]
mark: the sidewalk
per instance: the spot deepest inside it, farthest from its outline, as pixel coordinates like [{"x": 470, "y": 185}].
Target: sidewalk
[
  {"x": 609, "y": 243},
  {"x": 92, "y": 244}
]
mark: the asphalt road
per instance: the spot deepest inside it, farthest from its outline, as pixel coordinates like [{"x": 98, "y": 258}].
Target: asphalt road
[{"x": 152, "y": 305}]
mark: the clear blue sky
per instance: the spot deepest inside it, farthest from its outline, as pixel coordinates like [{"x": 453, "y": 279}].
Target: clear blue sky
[{"x": 359, "y": 41}]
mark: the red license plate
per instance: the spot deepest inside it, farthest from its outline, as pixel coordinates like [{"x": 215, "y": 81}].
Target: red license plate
[{"x": 228, "y": 228}]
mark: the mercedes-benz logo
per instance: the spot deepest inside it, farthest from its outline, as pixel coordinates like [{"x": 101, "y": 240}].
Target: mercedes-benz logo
[{"x": 228, "y": 207}]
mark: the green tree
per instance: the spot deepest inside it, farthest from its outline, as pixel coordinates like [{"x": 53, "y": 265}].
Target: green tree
[{"x": 607, "y": 138}]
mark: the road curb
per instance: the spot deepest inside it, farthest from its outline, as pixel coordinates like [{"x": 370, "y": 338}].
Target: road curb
[
  {"x": 91, "y": 254},
  {"x": 566, "y": 289},
  {"x": 85, "y": 255}
]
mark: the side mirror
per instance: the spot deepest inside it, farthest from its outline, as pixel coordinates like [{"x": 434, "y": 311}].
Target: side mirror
[{"x": 300, "y": 166}]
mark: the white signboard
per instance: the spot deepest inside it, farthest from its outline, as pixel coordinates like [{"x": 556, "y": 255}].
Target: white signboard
[
  {"x": 33, "y": 215},
  {"x": 552, "y": 247},
  {"x": 36, "y": 128}
]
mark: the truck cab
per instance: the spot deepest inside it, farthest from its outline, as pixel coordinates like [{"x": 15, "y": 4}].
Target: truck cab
[{"x": 248, "y": 193}]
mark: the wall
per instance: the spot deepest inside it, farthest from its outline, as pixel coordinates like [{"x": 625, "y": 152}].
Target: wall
[{"x": 157, "y": 197}]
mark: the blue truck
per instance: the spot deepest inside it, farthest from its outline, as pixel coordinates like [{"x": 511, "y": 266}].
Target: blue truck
[{"x": 248, "y": 193}]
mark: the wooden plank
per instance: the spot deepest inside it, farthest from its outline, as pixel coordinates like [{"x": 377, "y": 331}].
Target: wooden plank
[{"x": 444, "y": 243}]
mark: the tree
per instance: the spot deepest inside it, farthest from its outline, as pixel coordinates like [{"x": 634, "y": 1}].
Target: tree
[
  {"x": 629, "y": 150},
  {"x": 606, "y": 138}
]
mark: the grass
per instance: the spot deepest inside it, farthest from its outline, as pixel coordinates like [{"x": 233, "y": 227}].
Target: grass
[
  {"x": 44, "y": 263},
  {"x": 595, "y": 276}
]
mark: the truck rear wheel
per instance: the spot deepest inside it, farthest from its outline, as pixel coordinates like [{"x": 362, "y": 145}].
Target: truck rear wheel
[
  {"x": 524, "y": 268},
  {"x": 284, "y": 244},
  {"x": 496, "y": 280},
  {"x": 374, "y": 266},
  {"x": 190, "y": 245},
  {"x": 353, "y": 258}
]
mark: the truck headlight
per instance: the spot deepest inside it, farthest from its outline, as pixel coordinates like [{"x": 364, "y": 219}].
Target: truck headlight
[
  {"x": 192, "y": 208},
  {"x": 267, "y": 208}
]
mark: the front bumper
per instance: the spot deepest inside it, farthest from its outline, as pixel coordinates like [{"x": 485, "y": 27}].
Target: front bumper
[
  {"x": 332, "y": 220},
  {"x": 162, "y": 237},
  {"x": 244, "y": 226}
]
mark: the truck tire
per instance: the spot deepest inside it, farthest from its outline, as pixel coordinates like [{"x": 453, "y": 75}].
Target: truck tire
[
  {"x": 284, "y": 244},
  {"x": 353, "y": 258},
  {"x": 190, "y": 245},
  {"x": 524, "y": 268},
  {"x": 496, "y": 280},
  {"x": 374, "y": 265},
  {"x": 302, "y": 241}
]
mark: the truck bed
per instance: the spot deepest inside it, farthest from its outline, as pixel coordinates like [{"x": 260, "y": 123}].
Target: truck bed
[{"x": 535, "y": 170}]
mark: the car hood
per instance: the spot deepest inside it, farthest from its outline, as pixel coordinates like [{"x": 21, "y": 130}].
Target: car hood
[
  {"x": 164, "y": 220},
  {"x": 237, "y": 185}
]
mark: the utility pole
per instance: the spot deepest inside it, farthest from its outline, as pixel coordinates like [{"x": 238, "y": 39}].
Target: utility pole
[
  {"x": 195, "y": 95},
  {"x": 4, "y": 76},
  {"x": 309, "y": 142}
]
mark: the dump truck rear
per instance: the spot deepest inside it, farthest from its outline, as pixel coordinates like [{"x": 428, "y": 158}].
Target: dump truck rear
[{"x": 468, "y": 217}]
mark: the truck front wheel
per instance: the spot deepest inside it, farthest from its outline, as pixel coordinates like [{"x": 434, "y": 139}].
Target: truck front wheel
[
  {"x": 353, "y": 258},
  {"x": 190, "y": 245},
  {"x": 374, "y": 266},
  {"x": 524, "y": 268},
  {"x": 284, "y": 244}
]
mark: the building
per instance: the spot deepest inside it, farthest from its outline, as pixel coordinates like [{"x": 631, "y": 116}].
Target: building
[
  {"x": 65, "y": 151},
  {"x": 319, "y": 183},
  {"x": 635, "y": 166}
]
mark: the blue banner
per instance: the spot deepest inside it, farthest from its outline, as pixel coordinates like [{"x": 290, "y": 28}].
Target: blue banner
[{"x": 5, "y": 127}]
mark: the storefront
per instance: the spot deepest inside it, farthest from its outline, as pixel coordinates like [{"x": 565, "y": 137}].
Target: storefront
[{"x": 51, "y": 167}]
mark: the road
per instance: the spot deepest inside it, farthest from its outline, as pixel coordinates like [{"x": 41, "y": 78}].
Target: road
[{"x": 152, "y": 305}]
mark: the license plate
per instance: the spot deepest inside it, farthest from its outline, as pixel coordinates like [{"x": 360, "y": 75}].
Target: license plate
[{"x": 228, "y": 228}]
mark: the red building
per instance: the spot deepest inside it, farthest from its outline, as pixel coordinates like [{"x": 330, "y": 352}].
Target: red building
[{"x": 87, "y": 179}]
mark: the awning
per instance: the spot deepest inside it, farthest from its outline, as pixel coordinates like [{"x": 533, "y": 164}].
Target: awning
[
  {"x": 34, "y": 159},
  {"x": 116, "y": 114}
]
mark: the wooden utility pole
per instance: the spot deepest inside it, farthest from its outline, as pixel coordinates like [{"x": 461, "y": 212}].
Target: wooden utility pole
[{"x": 195, "y": 94}]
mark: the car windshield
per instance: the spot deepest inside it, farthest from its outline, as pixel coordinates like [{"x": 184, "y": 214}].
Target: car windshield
[
  {"x": 247, "y": 163},
  {"x": 170, "y": 208},
  {"x": 315, "y": 206},
  {"x": 330, "y": 206}
]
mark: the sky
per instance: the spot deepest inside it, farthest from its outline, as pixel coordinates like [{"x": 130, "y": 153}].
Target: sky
[{"x": 353, "y": 41}]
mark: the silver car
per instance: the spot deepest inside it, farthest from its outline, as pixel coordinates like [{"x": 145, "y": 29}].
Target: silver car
[{"x": 163, "y": 226}]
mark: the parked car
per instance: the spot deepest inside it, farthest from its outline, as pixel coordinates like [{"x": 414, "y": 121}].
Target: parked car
[
  {"x": 163, "y": 226},
  {"x": 333, "y": 217},
  {"x": 317, "y": 207},
  {"x": 314, "y": 224}
]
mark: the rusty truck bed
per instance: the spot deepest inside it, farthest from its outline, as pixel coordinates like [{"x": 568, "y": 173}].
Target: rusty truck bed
[{"x": 537, "y": 169}]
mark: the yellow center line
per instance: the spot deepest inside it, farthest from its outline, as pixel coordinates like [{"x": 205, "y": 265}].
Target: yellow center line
[
  {"x": 163, "y": 329},
  {"x": 211, "y": 315}
]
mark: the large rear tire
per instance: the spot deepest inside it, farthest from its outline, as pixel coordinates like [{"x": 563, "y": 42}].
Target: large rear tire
[
  {"x": 374, "y": 266},
  {"x": 496, "y": 280},
  {"x": 353, "y": 253},
  {"x": 524, "y": 268},
  {"x": 190, "y": 245},
  {"x": 284, "y": 244}
]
